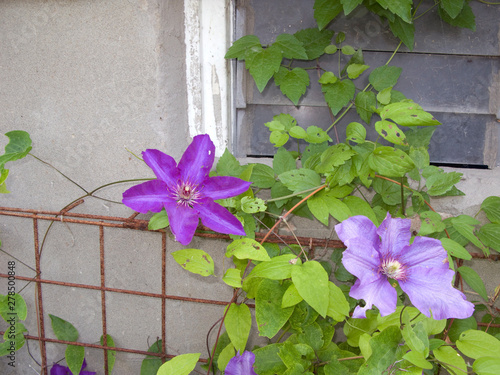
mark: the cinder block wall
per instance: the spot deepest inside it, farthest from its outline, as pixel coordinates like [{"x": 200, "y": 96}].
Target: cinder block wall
[{"x": 89, "y": 80}]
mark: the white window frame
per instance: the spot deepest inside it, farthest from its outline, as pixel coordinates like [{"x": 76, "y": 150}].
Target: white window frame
[{"x": 208, "y": 26}]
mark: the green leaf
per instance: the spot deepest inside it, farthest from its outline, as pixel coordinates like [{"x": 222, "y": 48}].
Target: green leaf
[
  {"x": 384, "y": 96},
  {"x": 283, "y": 161},
  {"x": 330, "y": 50},
  {"x": 491, "y": 207},
  {"x": 385, "y": 350},
  {"x": 232, "y": 277},
  {"x": 416, "y": 338},
  {"x": 290, "y": 47},
  {"x": 228, "y": 165},
  {"x": 408, "y": 114},
  {"x": 464, "y": 225},
  {"x": 292, "y": 83},
  {"x": 324, "y": 204},
  {"x": 355, "y": 70},
  {"x": 7, "y": 309},
  {"x": 111, "y": 354},
  {"x": 278, "y": 138},
  {"x": 418, "y": 359},
  {"x": 269, "y": 314},
  {"x": 339, "y": 94},
  {"x": 252, "y": 205},
  {"x": 325, "y": 11},
  {"x": 449, "y": 356},
  {"x": 151, "y": 364},
  {"x": 63, "y": 330},
  {"x": 487, "y": 366},
  {"x": 440, "y": 183},
  {"x": 262, "y": 176},
  {"x": 316, "y": 135},
  {"x": 238, "y": 322},
  {"x": 455, "y": 249},
  {"x": 350, "y": 5},
  {"x": 278, "y": 268},
  {"x": 314, "y": 40},
  {"x": 402, "y": 8},
  {"x": 355, "y": 132},
  {"x": 489, "y": 234},
  {"x": 225, "y": 356},
  {"x": 338, "y": 307},
  {"x": 465, "y": 19},
  {"x": 359, "y": 206},
  {"x": 390, "y": 162},
  {"x": 384, "y": 76},
  {"x": 18, "y": 147},
  {"x": 195, "y": 261},
  {"x": 431, "y": 222},
  {"x": 452, "y": 7},
  {"x": 298, "y": 132},
  {"x": 348, "y": 50},
  {"x": 327, "y": 77},
  {"x": 404, "y": 31},
  {"x": 300, "y": 179},
  {"x": 334, "y": 156},
  {"x": 461, "y": 325},
  {"x": 311, "y": 281},
  {"x": 390, "y": 131},
  {"x": 241, "y": 46},
  {"x": 365, "y": 103},
  {"x": 159, "y": 220},
  {"x": 420, "y": 156},
  {"x": 74, "y": 357},
  {"x": 263, "y": 65},
  {"x": 267, "y": 360},
  {"x": 246, "y": 248},
  {"x": 180, "y": 365},
  {"x": 472, "y": 279},
  {"x": 291, "y": 297},
  {"x": 476, "y": 344}
]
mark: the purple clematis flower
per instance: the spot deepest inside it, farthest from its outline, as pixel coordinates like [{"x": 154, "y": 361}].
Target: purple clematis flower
[
  {"x": 375, "y": 256},
  {"x": 187, "y": 192},
  {"x": 63, "y": 370},
  {"x": 241, "y": 364}
]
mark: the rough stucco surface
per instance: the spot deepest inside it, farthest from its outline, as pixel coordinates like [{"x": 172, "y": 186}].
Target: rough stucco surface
[{"x": 88, "y": 79}]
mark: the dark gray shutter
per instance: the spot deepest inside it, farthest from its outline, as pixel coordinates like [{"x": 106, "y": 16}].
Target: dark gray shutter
[{"x": 452, "y": 72}]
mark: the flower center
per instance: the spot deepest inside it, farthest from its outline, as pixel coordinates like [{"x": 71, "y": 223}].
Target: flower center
[
  {"x": 393, "y": 269},
  {"x": 186, "y": 193}
]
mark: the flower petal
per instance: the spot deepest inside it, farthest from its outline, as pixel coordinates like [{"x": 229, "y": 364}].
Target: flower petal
[
  {"x": 183, "y": 221},
  {"x": 395, "y": 235},
  {"x": 241, "y": 364},
  {"x": 357, "y": 226},
  {"x": 197, "y": 160},
  {"x": 378, "y": 292},
  {"x": 217, "y": 218},
  {"x": 425, "y": 252},
  {"x": 163, "y": 165},
  {"x": 148, "y": 196},
  {"x": 430, "y": 289},
  {"x": 58, "y": 369},
  {"x": 220, "y": 187},
  {"x": 362, "y": 260}
]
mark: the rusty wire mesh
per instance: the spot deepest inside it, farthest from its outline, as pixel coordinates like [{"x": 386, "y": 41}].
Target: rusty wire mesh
[
  {"x": 101, "y": 222},
  {"x": 131, "y": 223}
]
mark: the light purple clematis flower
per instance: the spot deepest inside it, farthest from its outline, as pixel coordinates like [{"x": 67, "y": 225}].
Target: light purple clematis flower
[
  {"x": 241, "y": 364},
  {"x": 187, "y": 192},
  {"x": 375, "y": 256},
  {"x": 57, "y": 369}
]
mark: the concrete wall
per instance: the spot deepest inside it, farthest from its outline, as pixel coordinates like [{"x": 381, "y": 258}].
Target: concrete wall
[{"x": 88, "y": 79}]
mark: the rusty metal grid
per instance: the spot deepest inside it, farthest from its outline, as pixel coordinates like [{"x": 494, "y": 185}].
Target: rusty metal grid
[
  {"x": 134, "y": 224},
  {"x": 125, "y": 223}
]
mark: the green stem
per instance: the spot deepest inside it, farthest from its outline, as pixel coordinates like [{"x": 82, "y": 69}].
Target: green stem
[{"x": 293, "y": 195}]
